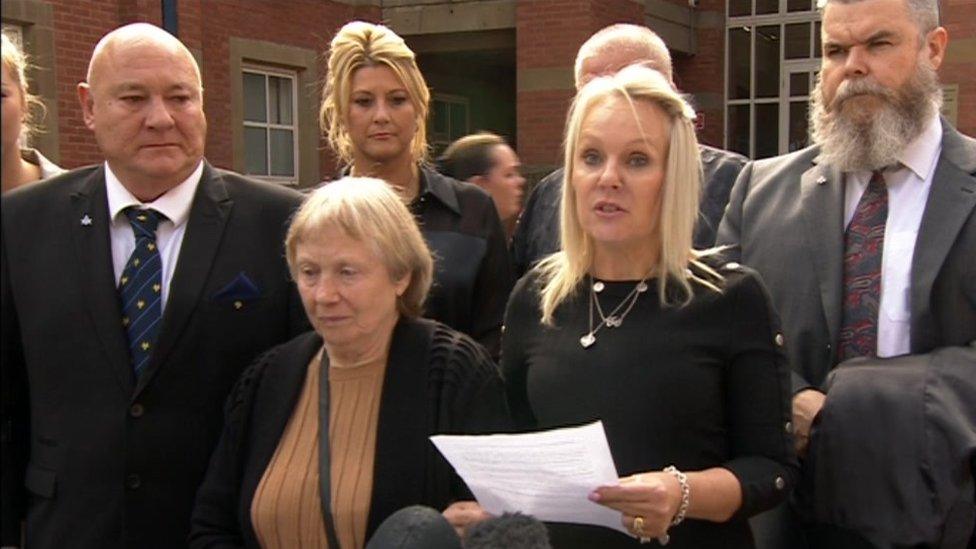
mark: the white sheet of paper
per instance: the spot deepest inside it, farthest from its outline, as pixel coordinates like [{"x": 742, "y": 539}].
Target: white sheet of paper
[{"x": 546, "y": 474}]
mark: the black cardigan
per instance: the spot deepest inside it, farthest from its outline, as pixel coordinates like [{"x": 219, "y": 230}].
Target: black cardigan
[{"x": 437, "y": 381}]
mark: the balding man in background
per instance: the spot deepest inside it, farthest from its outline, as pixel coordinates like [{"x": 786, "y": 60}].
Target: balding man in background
[
  {"x": 606, "y": 52},
  {"x": 133, "y": 294}
]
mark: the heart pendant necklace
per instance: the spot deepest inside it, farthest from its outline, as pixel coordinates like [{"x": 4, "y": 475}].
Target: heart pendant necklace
[{"x": 616, "y": 317}]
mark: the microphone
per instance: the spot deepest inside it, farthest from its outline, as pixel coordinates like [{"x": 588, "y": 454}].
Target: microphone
[
  {"x": 511, "y": 531},
  {"x": 415, "y": 527}
]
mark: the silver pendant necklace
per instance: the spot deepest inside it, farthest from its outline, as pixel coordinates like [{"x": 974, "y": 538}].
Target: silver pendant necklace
[{"x": 616, "y": 316}]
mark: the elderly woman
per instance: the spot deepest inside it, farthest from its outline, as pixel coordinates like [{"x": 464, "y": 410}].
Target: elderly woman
[
  {"x": 374, "y": 112},
  {"x": 679, "y": 356},
  {"x": 486, "y": 160},
  {"x": 326, "y": 435},
  {"x": 20, "y": 165}
]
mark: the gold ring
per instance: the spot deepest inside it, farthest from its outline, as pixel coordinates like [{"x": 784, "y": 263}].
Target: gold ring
[{"x": 639, "y": 526}]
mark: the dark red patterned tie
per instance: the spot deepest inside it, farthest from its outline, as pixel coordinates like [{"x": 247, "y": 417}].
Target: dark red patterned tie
[{"x": 863, "y": 247}]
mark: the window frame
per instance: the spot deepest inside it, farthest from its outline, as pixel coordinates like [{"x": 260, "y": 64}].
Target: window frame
[
  {"x": 266, "y": 72},
  {"x": 305, "y": 63},
  {"x": 811, "y": 64},
  {"x": 435, "y": 139}
]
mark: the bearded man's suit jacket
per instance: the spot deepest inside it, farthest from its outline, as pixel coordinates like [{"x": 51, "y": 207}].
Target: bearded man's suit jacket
[
  {"x": 93, "y": 457},
  {"x": 786, "y": 220}
]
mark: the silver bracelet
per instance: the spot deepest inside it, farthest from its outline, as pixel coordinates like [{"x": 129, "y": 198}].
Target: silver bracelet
[{"x": 685, "y": 494}]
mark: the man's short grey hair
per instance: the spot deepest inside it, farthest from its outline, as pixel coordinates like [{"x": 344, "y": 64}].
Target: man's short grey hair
[
  {"x": 925, "y": 13},
  {"x": 626, "y": 35}
]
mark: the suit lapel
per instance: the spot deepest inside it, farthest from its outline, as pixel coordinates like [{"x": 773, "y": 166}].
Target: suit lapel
[
  {"x": 205, "y": 227},
  {"x": 822, "y": 193},
  {"x": 951, "y": 200},
  {"x": 401, "y": 438},
  {"x": 90, "y": 225}
]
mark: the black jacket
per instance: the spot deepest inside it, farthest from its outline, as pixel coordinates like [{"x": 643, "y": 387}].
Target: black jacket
[
  {"x": 109, "y": 461},
  {"x": 472, "y": 271},
  {"x": 910, "y": 489}
]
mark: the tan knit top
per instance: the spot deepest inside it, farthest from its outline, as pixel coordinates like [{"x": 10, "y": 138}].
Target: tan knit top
[{"x": 286, "y": 511}]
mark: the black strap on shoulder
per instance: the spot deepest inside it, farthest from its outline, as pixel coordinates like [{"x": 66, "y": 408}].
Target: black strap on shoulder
[{"x": 325, "y": 461}]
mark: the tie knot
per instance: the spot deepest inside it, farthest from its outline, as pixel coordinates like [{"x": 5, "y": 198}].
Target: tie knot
[
  {"x": 144, "y": 222},
  {"x": 877, "y": 182}
]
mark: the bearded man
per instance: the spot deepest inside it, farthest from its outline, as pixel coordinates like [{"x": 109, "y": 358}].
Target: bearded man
[{"x": 867, "y": 242}]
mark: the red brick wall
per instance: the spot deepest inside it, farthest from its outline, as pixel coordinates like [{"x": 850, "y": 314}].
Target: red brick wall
[
  {"x": 205, "y": 26},
  {"x": 306, "y": 24},
  {"x": 77, "y": 27},
  {"x": 704, "y": 73},
  {"x": 959, "y": 18},
  {"x": 616, "y": 11},
  {"x": 548, "y": 34}
]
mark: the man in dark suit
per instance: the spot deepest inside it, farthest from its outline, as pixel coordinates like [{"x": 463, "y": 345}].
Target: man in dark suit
[
  {"x": 866, "y": 240},
  {"x": 606, "y": 52},
  {"x": 133, "y": 294}
]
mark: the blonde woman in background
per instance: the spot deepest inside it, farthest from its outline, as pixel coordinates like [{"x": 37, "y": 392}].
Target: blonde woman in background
[
  {"x": 21, "y": 165},
  {"x": 678, "y": 355},
  {"x": 374, "y": 113}
]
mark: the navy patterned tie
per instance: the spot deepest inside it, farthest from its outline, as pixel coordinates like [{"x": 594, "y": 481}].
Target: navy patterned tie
[
  {"x": 141, "y": 288},
  {"x": 863, "y": 248}
]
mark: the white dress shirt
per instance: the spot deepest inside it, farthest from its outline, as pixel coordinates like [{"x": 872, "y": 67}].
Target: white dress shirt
[
  {"x": 908, "y": 191},
  {"x": 174, "y": 204}
]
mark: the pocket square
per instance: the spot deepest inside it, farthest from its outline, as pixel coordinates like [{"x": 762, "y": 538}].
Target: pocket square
[{"x": 239, "y": 289}]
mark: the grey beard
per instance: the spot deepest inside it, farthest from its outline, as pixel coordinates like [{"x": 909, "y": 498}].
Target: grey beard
[{"x": 874, "y": 142}]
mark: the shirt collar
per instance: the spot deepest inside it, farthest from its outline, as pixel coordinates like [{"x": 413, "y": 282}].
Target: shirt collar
[
  {"x": 439, "y": 187},
  {"x": 923, "y": 151},
  {"x": 174, "y": 203}
]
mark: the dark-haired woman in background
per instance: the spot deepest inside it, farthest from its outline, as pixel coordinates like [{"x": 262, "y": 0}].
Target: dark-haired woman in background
[{"x": 486, "y": 160}]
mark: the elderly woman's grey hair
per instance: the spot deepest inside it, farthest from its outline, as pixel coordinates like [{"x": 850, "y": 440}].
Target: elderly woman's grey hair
[{"x": 367, "y": 210}]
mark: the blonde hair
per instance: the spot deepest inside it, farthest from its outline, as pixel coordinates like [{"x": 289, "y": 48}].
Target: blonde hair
[
  {"x": 367, "y": 210},
  {"x": 678, "y": 264},
  {"x": 360, "y": 44},
  {"x": 16, "y": 63}
]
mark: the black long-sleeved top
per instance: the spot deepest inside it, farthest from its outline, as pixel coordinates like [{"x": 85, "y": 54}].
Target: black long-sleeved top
[
  {"x": 700, "y": 386},
  {"x": 473, "y": 274}
]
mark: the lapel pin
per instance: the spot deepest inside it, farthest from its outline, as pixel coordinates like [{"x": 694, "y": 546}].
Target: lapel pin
[
  {"x": 821, "y": 180},
  {"x": 86, "y": 221}
]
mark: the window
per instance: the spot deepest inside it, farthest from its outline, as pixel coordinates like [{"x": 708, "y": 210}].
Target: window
[
  {"x": 773, "y": 49},
  {"x": 448, "y": 121},
  {"x": 270, "y": 124},
  {"x": 273, "y": 87}
]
